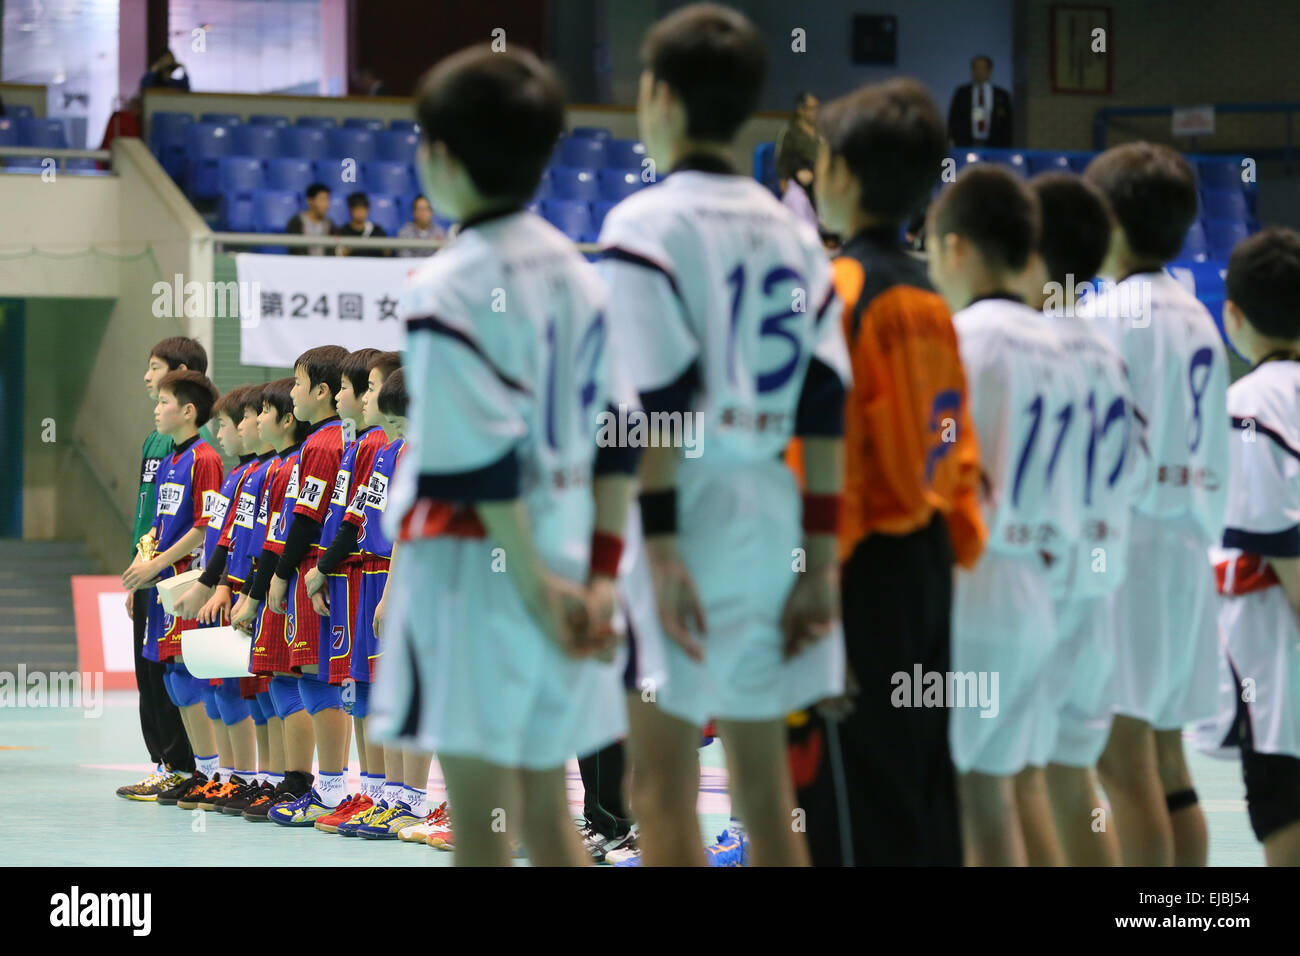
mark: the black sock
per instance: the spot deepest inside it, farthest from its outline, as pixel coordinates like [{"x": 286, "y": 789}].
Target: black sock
[{"x": 602, "y": 781}]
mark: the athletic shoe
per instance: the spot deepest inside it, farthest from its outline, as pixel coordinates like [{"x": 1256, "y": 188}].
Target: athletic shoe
[
  {"x": 190, "y": 799},
  {"x": 294, "y": 785},
  {"x": 442, "y": 838},
  {"x": 731, "y": 849},
  {"x": 239, "y": 801},
  {"x": 213, "y": 797},
  {"x": 170, "y": 796},
  {"x": 348, "y": 809},
  {"x": 155, "y": 783},
  {"x": 599, "y": 845},
  {"x": 627, "y": 856},
  {"x": 435, "y": 822},
  {"x": 389, "y": 823},
  {"x": 303, "y": 812}
]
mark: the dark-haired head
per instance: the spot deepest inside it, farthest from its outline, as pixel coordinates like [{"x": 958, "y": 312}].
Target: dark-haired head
[
  {"x": 1152, "y": 192},
  {"x": 180, "y": 350},
  {"x": 322, "y": 366},
  {"x": 1263, "y": 286},
  {"x": 191, "y": 388},
  {"x": 1076, "y": 227},
  {"x": 392, "y": 397},
  {"x": 355, "y": 368}
]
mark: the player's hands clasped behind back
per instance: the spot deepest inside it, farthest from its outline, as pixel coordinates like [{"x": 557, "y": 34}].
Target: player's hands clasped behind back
[{"x": 680, "y": 608}]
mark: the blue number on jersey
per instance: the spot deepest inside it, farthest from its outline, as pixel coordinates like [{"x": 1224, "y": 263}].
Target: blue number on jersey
[
  {"x": 1115, "y": 412},
  {"x": 946, "y": 401},
  {"x": 589, "y": 349},
  {"x": 1202, "y": 360},
  {"x": 1035, "y": 409},
  {"x": 769, "y": 326}
]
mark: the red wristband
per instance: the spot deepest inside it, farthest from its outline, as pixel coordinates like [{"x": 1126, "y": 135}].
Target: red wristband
[
  {"x": 821, "y": 514},
  {"x": 606, "y": 550}
]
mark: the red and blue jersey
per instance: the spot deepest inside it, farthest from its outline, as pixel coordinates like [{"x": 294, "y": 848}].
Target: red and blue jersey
[
  {"x": 310, "y": 486},
  {"x": 354, "y": 473},
  {"x": 281, "y": 489},
  {"x": 242, "y": 531},
  {"x": 367, "y": 508},
  {"x": 222, "y": 515},
  {"x": 189, "y": 481}
]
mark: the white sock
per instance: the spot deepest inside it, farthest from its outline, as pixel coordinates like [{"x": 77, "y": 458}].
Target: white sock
[
  {"x": 417, "y": 800},
  {"x": 392, "y": 792},
  {"x": 206, "y": 765},
  {"x": 246, "y": 775},
  {"x": 274, "y": 779},
  {"x": 227, "y": 772},
  {"x": 329, "y": 787},
  {"x": 258, "y": 778},
  {"x": 372, "y": 785}
]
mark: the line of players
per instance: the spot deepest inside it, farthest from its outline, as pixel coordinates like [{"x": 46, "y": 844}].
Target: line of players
[{"x": 1088, "y": 469}]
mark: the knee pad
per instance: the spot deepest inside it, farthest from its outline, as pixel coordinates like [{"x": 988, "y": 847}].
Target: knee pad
[
  {"x": 359, "y": 703},
  {"x": 1181, "y": 800},
  {"x": 318, "y": 695},
  {"x": 255, "y": 711},
  {"x": 1272, "y": 791},
  {"x": 208, "y": 693},
  {"x": 268, "y": 706},
  {"x": 183, "y": 688},
  {"x": 285, "y": 696},
  {"x": 233, "y": 708}
]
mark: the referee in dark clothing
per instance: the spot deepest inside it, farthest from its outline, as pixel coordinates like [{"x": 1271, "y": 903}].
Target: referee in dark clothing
[{"x": 160, "y": 720}]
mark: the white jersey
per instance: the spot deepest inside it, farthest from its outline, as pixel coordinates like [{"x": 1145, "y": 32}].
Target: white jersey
[
  {"x": 508, "y": 352},
  {"x": 710, "y": 271},
  {"x": 1263, "y": 504},
  {"x": 1029, "y": 406},
  {"x": 1178, "y": 369},
  {"x": 1116, "y": 462}
]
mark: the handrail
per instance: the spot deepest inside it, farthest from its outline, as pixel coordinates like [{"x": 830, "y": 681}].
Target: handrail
[
  {"x": 351, "y": 242},
  {"x": 100, "y": 154}
]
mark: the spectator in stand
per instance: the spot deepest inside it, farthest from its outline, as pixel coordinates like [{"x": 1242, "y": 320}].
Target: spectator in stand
[
  {"x": 313, "y": 221},
  {"x": 360, "y": 225},
  {"x": 980, "y": 114},
  {"x": 367, "y": 83},
  {"x": 124, "y": 122},
  {"x": 421, "y": 226},
  {"x": 796, "y": 146},
  {"x": 166, "y": 73}
]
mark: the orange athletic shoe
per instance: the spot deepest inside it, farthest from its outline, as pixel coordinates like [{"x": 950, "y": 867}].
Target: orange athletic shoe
[{"x": 345, "y": 812}]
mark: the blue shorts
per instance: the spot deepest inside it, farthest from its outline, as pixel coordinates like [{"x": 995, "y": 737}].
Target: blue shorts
[
  {"x": 184, "y": 689},
  {"x": 233, "y": 708},
  {"x": 285, "y": 696},
  {"x": 318, "y": 695},
  {"x": 255, "y": 711},
  {"x": 365, "y": 646},
  {"x": 356, "y": 698}
]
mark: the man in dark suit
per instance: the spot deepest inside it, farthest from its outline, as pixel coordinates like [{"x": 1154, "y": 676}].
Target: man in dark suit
[{"x": 980, "y": 114}]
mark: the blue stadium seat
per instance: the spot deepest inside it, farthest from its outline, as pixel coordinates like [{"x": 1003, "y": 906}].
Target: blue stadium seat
[
  {"x": 599, "y": 210},
  {"x": 624, "y": 153},
  {"x": 81, "y": 165},
  {"x": 32, "y": 163},
  {"x": 1222, "y": 235},
  {"x": 273, "y": 208},
  {"x": 591, "y": 132},
  {"x": 267, "y": 119},
  {"x": 384, "y": 212},
  {"x": 571, "y": 217},
  {"x": 303, "y": 142},
  {"x": 240, "y": 174},
  {"x": 289, "y": 173},
  {"x": 765, "y": 166},
  {"x": 44, "y": 133},
  {"x": 396, "y": 144},
  {"x": 1011, "y": 159},
  {"x": 167, "y": 129},
  {"x": 1079, "y": 160},
  {"x": 405, "y": 125},
  {"x": 364, "y": 122},
  {"x": 225, "y": 119},
  {"x": 339, "y": 209},
  {"x": 206, "y": 144},
  {"x": 616, "y": 184},
  {"x": 358, "y": 144},
  {"x": 8, "y": 132},
  {"x": 19, "y": 112},
  {"x": 317, "y": 122},
  {"x": 330, "y": 172},
  {"x": 584, "y": 151},
  {"x": 236, "y": 212},
  {"x": 1043, "y": 162},
  {"x": 444, "y": 224},
  {"x": 404, "y": 204},
  {"x": 1195, "y": 248},
  {"x": 570, "y": 183},
  {"x": 260, "y": 141},
  {"x": 1224, "y": 204},
  {"x": 1220, "y": 174},
  {"x": 385, "y": 176}
]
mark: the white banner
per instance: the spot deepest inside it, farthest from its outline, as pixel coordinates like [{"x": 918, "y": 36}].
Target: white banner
[
  {"x": 1193, "y": 121},
  {"x": 300, "y": 302}
]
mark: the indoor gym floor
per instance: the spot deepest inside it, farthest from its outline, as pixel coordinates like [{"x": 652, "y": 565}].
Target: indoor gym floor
[{"x": 59, "y": 768}]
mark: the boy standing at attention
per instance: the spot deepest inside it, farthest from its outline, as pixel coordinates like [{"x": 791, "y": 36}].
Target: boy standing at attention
[{"x": 160, "y": 721}]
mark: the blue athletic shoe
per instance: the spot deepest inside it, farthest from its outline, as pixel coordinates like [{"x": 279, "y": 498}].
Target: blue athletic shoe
[
  {"x": 303, "y": 812},
  {"x": 731, "y": 849}
]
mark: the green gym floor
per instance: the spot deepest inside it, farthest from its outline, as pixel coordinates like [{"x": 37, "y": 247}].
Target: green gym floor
[{"x": 59, "y": 768}]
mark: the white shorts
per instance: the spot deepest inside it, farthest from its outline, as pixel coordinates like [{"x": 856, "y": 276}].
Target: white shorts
[
  {"x": 1262, "y": 636},
  {"x": 1003, "y": 629},
  {"x": 737, "y": 535},
  {"x": 1082, "y": 681},
  {"x": 465, "y": 672},
  {"x": 1166, "y": 628}
]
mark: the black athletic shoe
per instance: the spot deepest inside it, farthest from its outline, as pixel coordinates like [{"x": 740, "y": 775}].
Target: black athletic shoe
[
  {"x": 293, "y": 786},
  {"x": 243, "y": 798},
  {"x": 169, "y": 798}
]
